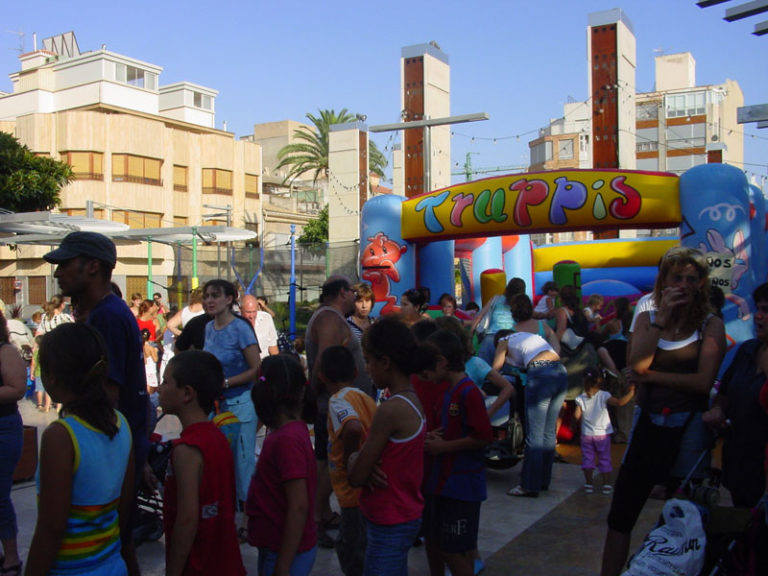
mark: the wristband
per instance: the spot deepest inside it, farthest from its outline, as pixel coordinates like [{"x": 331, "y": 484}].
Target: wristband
[
  {"x": 226, "y": 383},
  {"x": 656, "y": 325}
]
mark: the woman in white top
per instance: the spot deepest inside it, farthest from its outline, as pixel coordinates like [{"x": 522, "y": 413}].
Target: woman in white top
[
  {"x": 183, "y": 316},
  {"x": 546, "y": 384}
]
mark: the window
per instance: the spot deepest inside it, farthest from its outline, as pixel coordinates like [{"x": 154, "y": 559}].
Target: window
[
  {"x": 251, "y": 186},
  {"x": 565, "y": 150},
  {"x": 541, "y": 152},
  {"x": 691, "y": 104},
  {"x": 583, "y": 142},
  {"x": 85, "y": 165},
  {"x": 216, "y": 181},
  {"x": 202, "y": 101},
  {"x": 138, "y": 169},
  {"x": 134, "y": 76},
  {"x": 97, "y": 212},
  {"x": 647, "y": 146},
  {"x": 180, "y": 220},
  {"x": 647, "y": 111},
  {"x": 648, "y": 164},
  {"x": 137, "y": 219},
  {"x": 180, "y": 178},
  {"x": 686, "y": 136}
]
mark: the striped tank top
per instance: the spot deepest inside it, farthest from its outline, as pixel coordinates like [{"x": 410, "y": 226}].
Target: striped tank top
[{"x": 91, "y": 543}]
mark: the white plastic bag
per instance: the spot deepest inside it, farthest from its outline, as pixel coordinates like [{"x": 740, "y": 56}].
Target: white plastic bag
[{"x": 676, "y": 548}]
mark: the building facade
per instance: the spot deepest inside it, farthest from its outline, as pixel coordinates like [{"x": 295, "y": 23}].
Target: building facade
[{"x": 143, "y": 154}]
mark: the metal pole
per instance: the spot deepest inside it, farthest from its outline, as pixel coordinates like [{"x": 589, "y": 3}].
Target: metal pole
[
  {"x": 427, "y": 187},
  {"x": 292, "y": 290},
  {"x": 194, "y": 282},
  {"x": 149, "y": 267},
  {"x": 230, "y": 259}
]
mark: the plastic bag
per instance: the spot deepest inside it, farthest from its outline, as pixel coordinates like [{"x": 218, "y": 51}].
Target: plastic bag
[{"x": 677, "y": 547}]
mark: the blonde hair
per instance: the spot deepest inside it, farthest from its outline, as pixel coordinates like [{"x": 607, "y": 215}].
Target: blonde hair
[
  {"x": 680, "y": 256},
  {"x": 594, "y": 299}
]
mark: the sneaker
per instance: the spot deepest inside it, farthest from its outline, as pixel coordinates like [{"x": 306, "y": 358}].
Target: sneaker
[
  {"x": 479, "y": 566},
  {"x": 607, "y": 489},
  {"x": 588, "y": 488}
]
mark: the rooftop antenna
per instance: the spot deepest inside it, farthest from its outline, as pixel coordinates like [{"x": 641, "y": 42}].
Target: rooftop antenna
[{"x": 20, "y": 35}]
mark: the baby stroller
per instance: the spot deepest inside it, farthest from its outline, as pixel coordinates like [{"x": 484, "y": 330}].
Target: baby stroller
[
  {"x": 507, "y": 447},
  {"x": 698, "y": 537}
]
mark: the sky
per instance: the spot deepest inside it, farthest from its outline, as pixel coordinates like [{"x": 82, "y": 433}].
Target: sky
[{"x": 519, "y": 61}]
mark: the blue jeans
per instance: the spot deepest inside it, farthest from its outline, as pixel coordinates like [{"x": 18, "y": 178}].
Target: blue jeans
[
  {"x": 388, "y": 546},
  {"x": 245, "y": 453},
  {"x": 301, "y": 565},
  {"x": 11, "y": 441},
  {"x": 544, "y": 396}
]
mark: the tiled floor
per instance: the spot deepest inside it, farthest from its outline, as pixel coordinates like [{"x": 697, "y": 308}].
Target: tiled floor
[{"x": 561, "y": 532}]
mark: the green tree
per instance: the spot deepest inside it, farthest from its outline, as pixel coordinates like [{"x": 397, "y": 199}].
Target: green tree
[
  {"x": 27, "y": 182},
  {"x": 310, "y": 154},
  {"x": 316, "y": 230}
]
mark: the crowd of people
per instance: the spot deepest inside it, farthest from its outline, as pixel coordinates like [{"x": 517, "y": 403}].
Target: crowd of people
[{"x": 390, "y": 414}]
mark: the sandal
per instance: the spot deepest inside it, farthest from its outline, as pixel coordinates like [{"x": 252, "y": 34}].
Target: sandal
[
  {"x": 242, "y": 534},
  {"x": 12, "y": 570},
  {"x": 588, "y": 488},
  {"x": 333, "y": 522},
  {"x": 607, "y": 489},
  {"x": 522, "y": 492}
]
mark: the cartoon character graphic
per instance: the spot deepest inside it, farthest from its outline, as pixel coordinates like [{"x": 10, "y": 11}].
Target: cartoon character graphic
[
  {"x": 735, "y": 258},
  {"x": 379, "y": 259}
]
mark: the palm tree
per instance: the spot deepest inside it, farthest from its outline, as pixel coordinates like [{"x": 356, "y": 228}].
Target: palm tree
[{"x": 310, "y": 155}]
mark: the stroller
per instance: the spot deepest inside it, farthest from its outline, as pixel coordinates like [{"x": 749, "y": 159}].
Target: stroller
[
  {"x": 698, "y": 537},
  {"x": 506, "y": 450}
]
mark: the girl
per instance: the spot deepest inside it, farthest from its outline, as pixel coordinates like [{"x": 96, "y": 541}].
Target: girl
[
  {"x": 281, "y": 496},
  {"x": 391, "y": 462},
  {"x": 592, "y": 310},
  {"x": 413, "y": 302},
  {"x": 545, "y": 307},
  {"x": 596, "y": 429},
  {"x": 84, "y": 504},
  {"x": 360, "y": 319}
]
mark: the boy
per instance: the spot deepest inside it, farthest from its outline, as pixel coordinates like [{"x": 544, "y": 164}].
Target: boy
[
  {"x": 199, "y": 500},
  {"x": 455, "y": 484},
  {"x": 350, "y": 413}
]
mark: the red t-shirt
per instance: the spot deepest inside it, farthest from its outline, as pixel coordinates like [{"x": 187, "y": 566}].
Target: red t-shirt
[
  {"x": 286, "y": 455},
  {"x": 216, "y": 549}
]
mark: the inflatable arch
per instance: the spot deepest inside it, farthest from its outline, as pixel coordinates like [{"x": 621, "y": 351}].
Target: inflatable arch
[{"x": 407, "y": 242}]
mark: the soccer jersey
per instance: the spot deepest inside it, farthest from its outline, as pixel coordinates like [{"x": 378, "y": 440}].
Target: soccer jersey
[{"x": 346, "y": 405}]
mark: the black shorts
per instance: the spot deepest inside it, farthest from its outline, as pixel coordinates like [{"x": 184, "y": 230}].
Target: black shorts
[
  {"x": 321, "y": 437},
  {"x": 452, "y": 524}
]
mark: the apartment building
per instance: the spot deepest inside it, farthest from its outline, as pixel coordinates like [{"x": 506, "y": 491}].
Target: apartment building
[{"x": 143, "y": 154}]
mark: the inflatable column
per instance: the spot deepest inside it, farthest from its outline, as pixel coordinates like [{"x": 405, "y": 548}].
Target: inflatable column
[
  {"x": 518, "y": 260},
  {"x": 436, "y": 269},
  {"x": 714, "y": 200},
  {"x": 485, "y": 256},
  {"x": 386, "y": 260}
]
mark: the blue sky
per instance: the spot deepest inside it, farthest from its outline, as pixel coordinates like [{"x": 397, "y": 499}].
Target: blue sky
[{"x": 519, "y": 61}]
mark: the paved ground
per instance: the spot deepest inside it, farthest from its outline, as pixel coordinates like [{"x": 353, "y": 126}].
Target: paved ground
[{"x": 561, "y": 532}]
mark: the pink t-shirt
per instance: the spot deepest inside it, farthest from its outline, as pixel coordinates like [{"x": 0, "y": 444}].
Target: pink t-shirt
[
  {"x": 403, "y": 463},
  {"x": 286, "y": 455}
]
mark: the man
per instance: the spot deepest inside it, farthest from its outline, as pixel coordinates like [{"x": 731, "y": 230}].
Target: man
[
  {"x": 262, "y": 324},
  {"x": 85, "y": 261},
  {"x": 328, "y": 327}
]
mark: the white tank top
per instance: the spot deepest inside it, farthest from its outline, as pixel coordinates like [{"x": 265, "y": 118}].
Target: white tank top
[{"x": 522, "y": 347}]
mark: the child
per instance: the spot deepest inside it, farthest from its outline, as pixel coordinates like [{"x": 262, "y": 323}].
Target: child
[
  {"x": 84, "y": 504},
  {"x": 199, "y": 499},
  {"x": 350, "y": 413},
  {"x": 591, "y": 407},
  {"x": 281, "y": 496},
  {"x": 545, "y": 307},
  {"x": 456, "y": 483},
  {"x": 41, "y": 396},
  {"x": 391, "y": 462}
]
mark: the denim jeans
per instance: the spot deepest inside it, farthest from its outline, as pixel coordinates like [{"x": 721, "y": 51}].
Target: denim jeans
[
  {"x": 11, "y": 440},
  {"x": 351, "y": 544},
  {"x": 245, "y": 453},
  {"x": 301, "y": 566},
  {"x": 544, "y": 395},
  {"x": 388, "y": 546}
]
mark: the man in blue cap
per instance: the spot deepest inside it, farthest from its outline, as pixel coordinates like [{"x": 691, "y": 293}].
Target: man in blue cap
[{"x": 85, "y": 261}]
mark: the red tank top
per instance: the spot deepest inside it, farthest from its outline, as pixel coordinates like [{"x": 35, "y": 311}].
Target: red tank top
[
  {"x": 149, "y": 325},
  {"x": 216, "y": 549},
  {"x": 403, "y": 463}
]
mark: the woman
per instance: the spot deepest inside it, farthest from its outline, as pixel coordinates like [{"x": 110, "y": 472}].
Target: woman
[
  {"x": 495, "y": 316},
  {"x": 736, "y": 412},
  {"x": 183, "y": 316},
  {"x": 576, "y": 344},
  {"x": 361, "y": 319},
  {"x": 147, "y": 319},
  {"x": 674, "y": 357},
  {"x": 53, "y": 315},
  {"x": 13, "y": 385},
  {"x": 232, "y": 340},
  {"x": 136, "y": 300},
  {"x": 413, "y": 302},
  {"x": 546, "y": 384}
]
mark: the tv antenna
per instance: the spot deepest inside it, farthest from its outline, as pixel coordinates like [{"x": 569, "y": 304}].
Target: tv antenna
[{"x": 20, "y": 35}]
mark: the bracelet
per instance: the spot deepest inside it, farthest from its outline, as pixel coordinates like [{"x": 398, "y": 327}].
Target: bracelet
[
  {"x": 226, "y": 383},
  {"x": 656, "y": 325}
]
